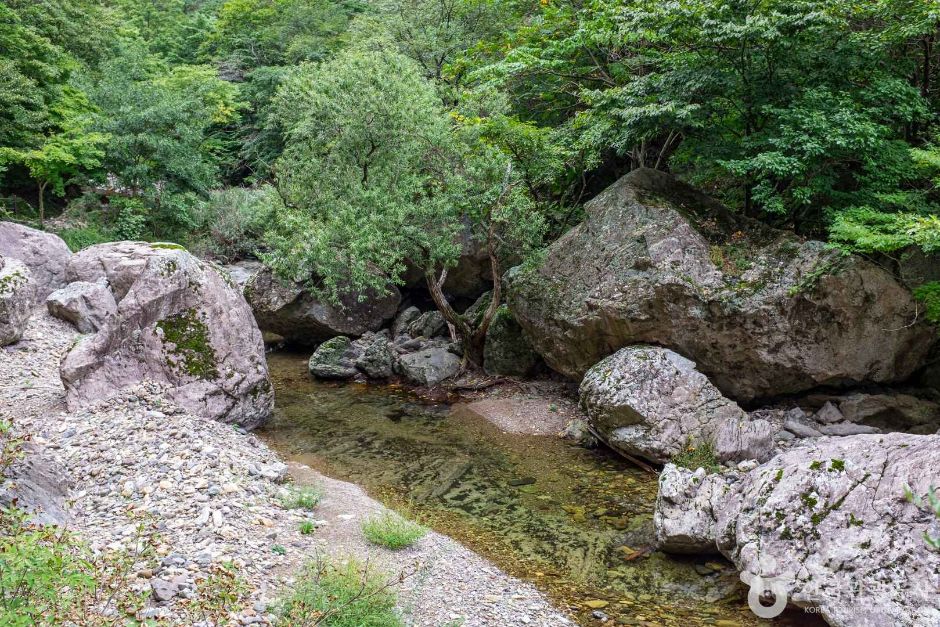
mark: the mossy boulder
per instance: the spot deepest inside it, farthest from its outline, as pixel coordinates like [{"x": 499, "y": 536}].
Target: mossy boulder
[
  {"x": 762, "y": 312},
  {"x": 334, "y": 359},
  {"x": 16, "y": 299},
  {"x": 506, "y": 350},
  {"x": 179, "y": 322}
]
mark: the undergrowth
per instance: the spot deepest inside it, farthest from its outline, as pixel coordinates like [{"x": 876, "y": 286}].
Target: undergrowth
[{"x": 392, "y": 531}]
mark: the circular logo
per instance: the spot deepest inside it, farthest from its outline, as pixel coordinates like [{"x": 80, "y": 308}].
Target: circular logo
[{"x": 759, "y": 587}]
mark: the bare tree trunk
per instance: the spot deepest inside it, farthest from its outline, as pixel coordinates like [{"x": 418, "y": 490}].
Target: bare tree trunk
[{"x": 42, "y": 206}]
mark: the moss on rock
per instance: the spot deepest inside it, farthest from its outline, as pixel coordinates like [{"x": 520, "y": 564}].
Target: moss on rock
[{"x": 192, "y": 351}]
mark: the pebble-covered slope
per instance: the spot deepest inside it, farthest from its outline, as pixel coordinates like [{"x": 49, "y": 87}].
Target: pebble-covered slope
[{"x": 205, "y": 493}]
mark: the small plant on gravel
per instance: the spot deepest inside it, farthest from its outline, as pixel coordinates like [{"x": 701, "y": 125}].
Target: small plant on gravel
[
  {"x": 307, "y": 527},
  {"x": 217, "y": 595},
  {"x": 392, "y": 531},
  {"x": 278, "y": 549},
  {"x": 342, "y": 594},
  {"x": 695, "y": 457},
  {"x": 302, "y": 497}
]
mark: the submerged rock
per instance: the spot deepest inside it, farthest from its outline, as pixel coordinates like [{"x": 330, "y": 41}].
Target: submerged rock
[
  {"x": 827, "y": 519},
  {"x": 760, "y": 311},
  {"x": 88, "y": 306},
  {"x": 178, "y": 321},
  {"x": 652, "y": 402},
  {"x": 294, "y": 313},
  {"x": 45, "y": 254},
  {"x": 16, "y": 299}
]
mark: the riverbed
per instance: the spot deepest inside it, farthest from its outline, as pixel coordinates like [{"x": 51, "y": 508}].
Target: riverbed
[{"x": 576, "y": 522}]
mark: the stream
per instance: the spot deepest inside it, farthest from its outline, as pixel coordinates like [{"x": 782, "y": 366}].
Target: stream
[{"x": 575, "y": 522}]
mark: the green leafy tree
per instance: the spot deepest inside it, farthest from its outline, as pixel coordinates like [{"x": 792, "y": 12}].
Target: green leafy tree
[{"x": 376, "y": 176}]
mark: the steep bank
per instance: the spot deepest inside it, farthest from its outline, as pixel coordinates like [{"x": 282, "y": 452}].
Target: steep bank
[{"x": 185, "y": 495}]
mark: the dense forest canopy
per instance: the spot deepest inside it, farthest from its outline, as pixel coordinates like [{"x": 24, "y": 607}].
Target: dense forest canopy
[{"x": 349, "y": 140}]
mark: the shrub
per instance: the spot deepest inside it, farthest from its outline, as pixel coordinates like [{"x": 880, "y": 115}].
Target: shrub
[
  {"x": 303, "y": 497},
  {"x": 695, "y": 457},
  {"x": 392, "y": 531},
  {"x": 931, "y": 505},
  {"x": 231, "y": 223},
  {"x": 346, "y": 594},
  {"x": 307, "y": 527}
]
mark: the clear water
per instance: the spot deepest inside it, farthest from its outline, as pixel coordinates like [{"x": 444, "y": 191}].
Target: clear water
[{"x": 576, "y": 522}]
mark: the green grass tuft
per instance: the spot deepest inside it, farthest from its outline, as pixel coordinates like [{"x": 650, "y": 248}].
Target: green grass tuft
[
  {"x": 340, "y": 595},
  {"x": 392, "y": 531},
  {"x": 701, "y": 456},
  {"x": 303, "y": 497},
  {"x": 306, "y": 527}
]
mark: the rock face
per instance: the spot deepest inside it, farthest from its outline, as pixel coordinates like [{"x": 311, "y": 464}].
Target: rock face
[
  {"x": 16, "y": 299},
  {"x": 429, "y": 366},
  {"x": 36, "y": 484},
  {"x": 506, "y": 350},
  {"x": 45, "y": 254},
  {"x": 828, "y": 520},
  {"x": 761, "y": 314},
  {"x": 651, "y": 402},
  {"x": 298, "y": 316},
  {"x": 178, "y": 321},
  {"x": 88, "y": 306}
]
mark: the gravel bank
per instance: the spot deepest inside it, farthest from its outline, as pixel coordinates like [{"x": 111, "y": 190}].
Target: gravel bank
[{"x": 196, "y": 494}]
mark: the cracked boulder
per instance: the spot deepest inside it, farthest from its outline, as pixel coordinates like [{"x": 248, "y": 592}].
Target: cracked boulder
[
  {"x": 88, "y": 306},
  {"x": 651, "y": 402},
  {"x": 45, "y": 254},
  {"x": 16, "y": 299},
  {"x": 179, "y": 321},
  {"x": 300, "y": 317},
  {"x": 762, "y": 312},
  {"x": 828, "y": 519}
]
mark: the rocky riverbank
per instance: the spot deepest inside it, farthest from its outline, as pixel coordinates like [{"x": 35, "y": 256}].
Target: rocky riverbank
[{"x": 184, "y": 495}]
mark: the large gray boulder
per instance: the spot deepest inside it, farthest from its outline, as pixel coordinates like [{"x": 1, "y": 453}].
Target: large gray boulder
[
  {"x": 16, "y": 299},
  {"x": 45, "y": 254},
  {"x": 86, "y": 305},
  {"x": 301, "y": 318},
  {"x": 334, "y": 359},
  {"x": 651, "y": 402},
  {"x": 827, "y": 521},
  {"x": 429, "y": 366},
  {"x": 178, "y": 321},
  {"x": 761, "y": 312}
]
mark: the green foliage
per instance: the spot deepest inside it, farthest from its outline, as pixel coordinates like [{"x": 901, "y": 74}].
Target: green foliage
[
  {"x": 231, "y": 223},
  {"x": 306, "y": 527},
  {"x": 346, "y": 594},
  {"x": 698, "y": 456},
  {"x": 392, "y": 531},
  {"x": 301, "y": 497},
  {"x": 929, "y": 294},
  {"x": 931, "y": 505}
]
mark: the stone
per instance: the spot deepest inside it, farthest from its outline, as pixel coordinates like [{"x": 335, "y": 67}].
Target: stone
[
  {"x": 377, "y": 360},
  {"x": 45, "y": 254},
  {"x": 243, "y": 271},
  {"x": 163, "y": 590},
  {"x": 334, "y": 359},
  {"x": 17, "y": 292},
  {"x": 651, "y": 402},
  {"x": 181, "y": 322},
  {"x": 892, "y": 412},
  {"x": 847, "y": 428},
  {"x": 829, "y": 414},
  {"x": 748, "y": 439},
  {"x": 403, "y": 320},
  {"x": 299, "y": 316},
  {"x": 762, "y": 312},
  {"x": 37, "y": 484},
  {"x": 506, "y": 350},
  {"x": 828, "y": 519},
  {"x": 429, "y": 325},
  {"x": 800, "y": 427},
  {"x": 88, "y": 306},
  {"x": 429, "y": 366}
]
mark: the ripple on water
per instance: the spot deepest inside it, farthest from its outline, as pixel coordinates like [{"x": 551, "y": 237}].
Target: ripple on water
[{"x": 576, "y": 522}]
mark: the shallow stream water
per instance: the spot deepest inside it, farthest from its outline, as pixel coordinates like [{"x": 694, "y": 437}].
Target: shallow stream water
[{"x": 575, "y": 522}]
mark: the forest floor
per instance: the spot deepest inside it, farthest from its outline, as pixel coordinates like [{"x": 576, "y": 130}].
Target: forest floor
[{"x": 181, "y": 497}]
